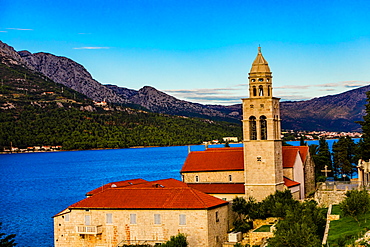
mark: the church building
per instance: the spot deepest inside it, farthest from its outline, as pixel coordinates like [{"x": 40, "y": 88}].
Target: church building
[
  {"x": 142, "y": 212},
  {"x": 262, "y": 165}
]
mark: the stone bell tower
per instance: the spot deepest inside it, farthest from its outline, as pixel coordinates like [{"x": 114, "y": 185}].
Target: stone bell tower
[{"x": 263, "y": 166}]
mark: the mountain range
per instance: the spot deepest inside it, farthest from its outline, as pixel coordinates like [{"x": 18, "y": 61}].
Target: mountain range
[{"x": 331, "y": 113}]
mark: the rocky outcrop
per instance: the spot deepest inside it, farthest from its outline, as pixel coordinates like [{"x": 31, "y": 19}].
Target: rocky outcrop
[{"x": 71, "y": 74}]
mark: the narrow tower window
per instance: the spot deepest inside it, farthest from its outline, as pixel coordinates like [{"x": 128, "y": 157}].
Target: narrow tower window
[
  {"x": 263, "y": 123},
  {"x": 269, "y": 90},
  {"x": 260, "y": 90},
  {"x": 252, "y": 128},
  {"x": 254, "y": 91}
]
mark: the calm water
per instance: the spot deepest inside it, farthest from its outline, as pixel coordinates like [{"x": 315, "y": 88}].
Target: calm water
[{"x": 36, "y": 186}]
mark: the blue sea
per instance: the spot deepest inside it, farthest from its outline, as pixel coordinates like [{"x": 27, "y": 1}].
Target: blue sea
[{"x": 36, "y": 186}]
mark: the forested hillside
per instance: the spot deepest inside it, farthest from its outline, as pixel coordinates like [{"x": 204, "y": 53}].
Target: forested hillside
[{"x": 37, "y": 111}]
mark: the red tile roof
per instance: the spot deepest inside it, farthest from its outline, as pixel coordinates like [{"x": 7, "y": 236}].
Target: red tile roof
[
  {"x": 219, "y": 188},
  {"x": 303, "y": 151},
  {"x": 214, "y": 159},
  {"x": 289, "y": 157},
  {"x": 290, "y": 183},
  {"x": 116, "y": 185},
  {"x": 150, "y": 198}
]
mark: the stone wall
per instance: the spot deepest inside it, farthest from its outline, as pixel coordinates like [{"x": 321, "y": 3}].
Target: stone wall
[
  {"x": 325, "y": 198},
  {"x": 202, "y": 227},
  {"x": 213, "y": 177}
]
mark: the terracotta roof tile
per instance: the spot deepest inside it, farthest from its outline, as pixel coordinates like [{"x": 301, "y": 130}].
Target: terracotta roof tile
[
  {"x": 289, "y": 157},
  {"x": 116, "y": 185},
  {"x": 290, "y": 183},
  {"x": 303, "y": 151},
  {"x": 150, "y": 198},
  {"x": 219, "y": 188},
  {"x": 214, "y": 159}
]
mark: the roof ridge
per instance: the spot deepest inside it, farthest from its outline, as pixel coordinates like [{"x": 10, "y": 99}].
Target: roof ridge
[{"x": 198, "y": 197}]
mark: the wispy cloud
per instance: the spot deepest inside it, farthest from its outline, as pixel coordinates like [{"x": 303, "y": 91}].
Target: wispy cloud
[
  {"x": 3, "y": 31},
  {"x": 84, "y": 33},
  {"x": 20, "y": 29},
  {"x": 91, "y": 48}
]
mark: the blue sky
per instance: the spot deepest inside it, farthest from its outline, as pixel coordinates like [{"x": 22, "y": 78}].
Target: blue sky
[{"x": 201, "y": 51}]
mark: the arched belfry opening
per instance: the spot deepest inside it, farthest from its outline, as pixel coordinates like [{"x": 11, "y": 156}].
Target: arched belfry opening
[
  {"x": 254, "y": 91},
  {"x": 260, "y": 90},
  {"x": 252, "y": 128},
  {"x": 263, "y": 123}
]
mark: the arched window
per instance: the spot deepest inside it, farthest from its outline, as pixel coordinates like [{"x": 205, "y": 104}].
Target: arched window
[
  {"x": 263, "y": 123},
  {"x": 269, "y": 90},
  {"x": 254, "y": 91},
  {"x": 260, "y": 90},
  {"x": 252, "y": 128}
]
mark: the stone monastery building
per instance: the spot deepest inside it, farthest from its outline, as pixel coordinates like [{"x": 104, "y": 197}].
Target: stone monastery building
[{"x": 137, "y": 211}]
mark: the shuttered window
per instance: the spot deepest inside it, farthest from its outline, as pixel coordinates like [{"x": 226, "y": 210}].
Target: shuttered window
[
  {"x": 182, "y": 219},
  {"x": 133, "y": 219},
  {"x": 157, "y": 219}
]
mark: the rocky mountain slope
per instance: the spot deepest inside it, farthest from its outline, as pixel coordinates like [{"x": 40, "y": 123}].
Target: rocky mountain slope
[
  {"x": 160, "y": 102},
  {"x": 71, "y": 74},
  {"x": 333, "y": 113}
]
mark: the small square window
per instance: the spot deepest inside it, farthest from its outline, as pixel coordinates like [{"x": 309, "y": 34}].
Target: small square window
[
  {"x": 66, "y": 217},
  {"x": 262, "y": 105},
  {"x": 259, "y": 158},
  {"x": 251, "y": 106}
]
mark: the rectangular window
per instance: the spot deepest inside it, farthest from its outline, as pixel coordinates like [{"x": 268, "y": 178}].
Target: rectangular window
[
  {"x": 217, "y": 219},
  {"x": 182, "y": 219},
  {"x": 87, "y": 220},
  {"x": 109, "y": 218},
  {"x": 133, "y": 219},
  {"x": 196, "y": 179},
  {"x": 230, "y": 178},
  {"x": 157, "y": 219},
  {"x": 66, "y": 217}
]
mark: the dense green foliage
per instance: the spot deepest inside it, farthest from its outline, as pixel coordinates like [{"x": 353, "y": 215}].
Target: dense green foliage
[
  {"x": 365, "y": 143},
  {"x": 344, "y": 156},
  {"x": 7, "y": 240},
  {"x": 302, "y": 223},
  {"x": 322, "y": 157},
  {"x": 75, "y": 129},
  {"x": 35, "y": 111},
  {"x": 176, "y": 241},
  {"x": 356, "y": 203}
]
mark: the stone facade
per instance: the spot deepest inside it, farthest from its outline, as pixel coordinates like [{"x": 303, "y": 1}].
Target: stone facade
[
  {"x": 202, "y": 227},
  {"x": 263, "y": 163},
  {"x": 213, "y": 177}
]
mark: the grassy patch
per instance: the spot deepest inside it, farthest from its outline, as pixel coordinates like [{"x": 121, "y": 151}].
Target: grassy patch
[
  {"x": 335, "y": 209},
  {"x": 264, "y": 228},
  {"x": 346, "y": 230}
]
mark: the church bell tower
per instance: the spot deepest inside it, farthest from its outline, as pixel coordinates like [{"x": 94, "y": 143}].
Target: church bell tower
[{"x": 263, "y": 166}]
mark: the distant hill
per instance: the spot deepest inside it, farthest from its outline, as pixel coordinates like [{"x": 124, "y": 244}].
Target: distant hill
[
  {"x": 37, "y": 111},
  {"x": 332, "y": 113},
  {"x": 160, "y": 102}
]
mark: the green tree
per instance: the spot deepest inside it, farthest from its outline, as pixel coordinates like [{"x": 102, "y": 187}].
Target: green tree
[
  {"x": 322, "y": 157},
  {"x": 7, "y": 240},
  {"x": 356, "y": 203},
  {"x": 303, "y": 226},
  {"x": 343, "y": 156},
  {"x": 365, "y": 124},
  {"x": 176, "y": 241}
]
